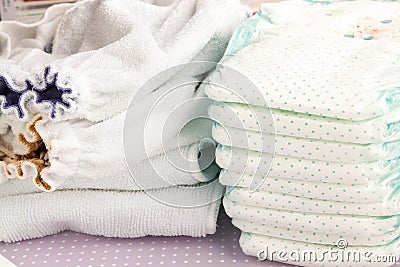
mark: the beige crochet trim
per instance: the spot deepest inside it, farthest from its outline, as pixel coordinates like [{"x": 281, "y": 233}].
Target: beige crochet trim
[{"x": 35, "y": 156}]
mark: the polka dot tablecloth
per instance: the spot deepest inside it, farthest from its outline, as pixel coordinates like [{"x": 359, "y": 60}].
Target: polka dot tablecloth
[{"x": 70, "y": 249}]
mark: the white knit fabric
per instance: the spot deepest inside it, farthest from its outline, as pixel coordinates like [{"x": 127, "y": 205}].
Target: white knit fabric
[
  {"x": 68, "y": 81},
  {"x": 102, "y": 44},
  {"x": 113, "y": 213}
]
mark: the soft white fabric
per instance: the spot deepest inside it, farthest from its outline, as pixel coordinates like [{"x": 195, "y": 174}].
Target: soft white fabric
[
  {"x": 312, "y": 237},
  {"x": 103, "y": 51},
  {"x": 156, "y": 172},
  {"x": 260, "y": 165},
  {"x": 303, "y": 147},
  {"x": 253, "y": 243},
  {"x": 71, "y": 77},
  {"x": 113, "y": 213},
  {"x": 313, "y": 222},
  {"x": 96, "y": 151},
  {"x": 282, "y": 201},
  {"x": 382, "y": 129}
]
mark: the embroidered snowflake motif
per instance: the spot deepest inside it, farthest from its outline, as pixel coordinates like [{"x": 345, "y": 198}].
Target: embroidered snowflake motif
[{"x": 52, "y": 93}]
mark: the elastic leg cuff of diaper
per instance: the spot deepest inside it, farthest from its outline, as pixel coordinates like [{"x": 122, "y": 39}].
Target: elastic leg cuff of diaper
[{"x": 89, "y": 151}]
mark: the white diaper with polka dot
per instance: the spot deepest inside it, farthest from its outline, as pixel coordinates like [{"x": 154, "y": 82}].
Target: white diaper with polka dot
[
  {"x": 312, "y": 221},
  {"x": 385, "y": 128},
  {"x": 304, "y": 147},
  {"x": 383, "y": 191},
  {"x": 312, "y": 237},
  {"x": 313, "y": 254},
  {"x": 311, "y": 71},
  {"x": 260, "y": 164},
  {"x": 310, "y": 142},
  {"x": 283, "y": 201}
]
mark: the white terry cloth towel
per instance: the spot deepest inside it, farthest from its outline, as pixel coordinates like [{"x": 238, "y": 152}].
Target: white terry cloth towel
[
  {"x": 312, "y": 254},
  {"x": 313, "y": 237},
  {"x": 313, "y": 72},
  {"x": 90, "y": 151},
  {"x": 111, "y": 213},
  {"x": 378, "y": 130},
  {"x": 303, "y": 147},
  {"x": 282, "y": 201},
  {"x": 314, "y": 222},
  {"x": 384, "y": 191},
  {"x": 89, "y": 60}
]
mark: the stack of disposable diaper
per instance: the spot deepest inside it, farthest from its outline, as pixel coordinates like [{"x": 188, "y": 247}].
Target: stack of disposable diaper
[
  {"x": 97, "y": 134},
  {"x": 307, "y": 119}
]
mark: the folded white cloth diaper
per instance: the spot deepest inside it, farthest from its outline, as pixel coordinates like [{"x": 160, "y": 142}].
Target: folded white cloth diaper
[
  {"x": 96, "y": 151},
  {"x": 85, "y": 101},
  {"x": 70, "y": 86},
  {"x": 153, "y": 173},
  {"x": 113, "y": 213},
  {"x": 101, "y": 44}
]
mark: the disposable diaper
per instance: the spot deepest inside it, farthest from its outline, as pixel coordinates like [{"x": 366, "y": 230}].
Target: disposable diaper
[
  {"x": 378, "y": 130},
  {"x": 305, "y": 148},
  {"x": 259, "y": 165}
]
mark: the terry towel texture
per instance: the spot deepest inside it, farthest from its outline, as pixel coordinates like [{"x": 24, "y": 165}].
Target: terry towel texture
[
  {"x": 93, "y": 71},
  {"x": 309, "y": 147},
  {"x": 75, "y": 83},
  {"x": 111, "y": 213}
]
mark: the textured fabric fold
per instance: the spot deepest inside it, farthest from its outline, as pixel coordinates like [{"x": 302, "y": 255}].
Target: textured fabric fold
[{"x": 110, "y": 213}]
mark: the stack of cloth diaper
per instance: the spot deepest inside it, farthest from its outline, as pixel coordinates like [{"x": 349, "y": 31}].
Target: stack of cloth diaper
[
  {"x": 310, "y": 142},
  {"x": 84, "y": 99}
]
